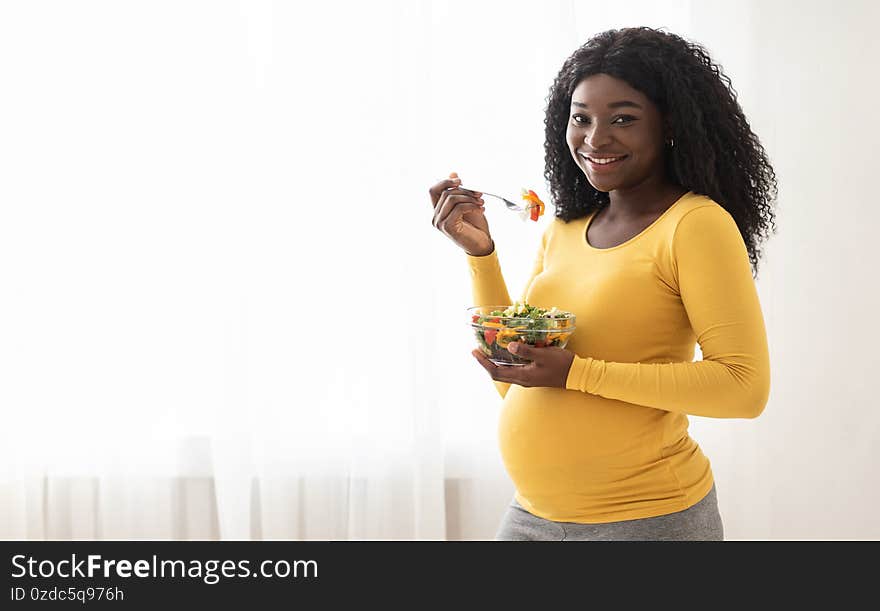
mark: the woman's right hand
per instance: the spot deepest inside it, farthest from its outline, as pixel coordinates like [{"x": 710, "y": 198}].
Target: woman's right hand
[{"x": 459, "y": 214}]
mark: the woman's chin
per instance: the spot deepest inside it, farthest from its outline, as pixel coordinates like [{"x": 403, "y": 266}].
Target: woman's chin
[{"x": 600, "y": 185}]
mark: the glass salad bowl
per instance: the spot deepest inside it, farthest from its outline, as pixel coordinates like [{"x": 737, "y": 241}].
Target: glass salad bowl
[{"x": 496, "y": 326}]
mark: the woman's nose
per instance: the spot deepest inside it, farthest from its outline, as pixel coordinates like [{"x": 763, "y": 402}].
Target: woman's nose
[{"x": 596, "y": 138}]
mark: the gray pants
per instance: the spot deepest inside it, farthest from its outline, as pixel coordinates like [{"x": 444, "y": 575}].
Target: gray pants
[{"x": 700, "y": 522}]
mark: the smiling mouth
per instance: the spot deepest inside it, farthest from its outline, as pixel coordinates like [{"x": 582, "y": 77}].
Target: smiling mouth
[{"x": 602, "y": 162}]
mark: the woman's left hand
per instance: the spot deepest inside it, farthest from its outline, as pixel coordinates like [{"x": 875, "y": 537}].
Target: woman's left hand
[{"x": 549, "y": 366}]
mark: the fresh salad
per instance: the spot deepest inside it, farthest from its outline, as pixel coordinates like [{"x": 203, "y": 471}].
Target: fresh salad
[{"x": 522, "y": 322}]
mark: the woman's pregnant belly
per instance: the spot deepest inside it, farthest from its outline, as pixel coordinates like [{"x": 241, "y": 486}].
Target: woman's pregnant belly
[{"x": 571, "y": 454}]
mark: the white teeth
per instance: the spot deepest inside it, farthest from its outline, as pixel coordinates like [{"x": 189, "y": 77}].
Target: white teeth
[{"x": 604, "y": 161}]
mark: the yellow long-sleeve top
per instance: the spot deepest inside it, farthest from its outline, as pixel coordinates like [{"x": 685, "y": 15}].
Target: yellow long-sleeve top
[{"x": 614, "y": 444}]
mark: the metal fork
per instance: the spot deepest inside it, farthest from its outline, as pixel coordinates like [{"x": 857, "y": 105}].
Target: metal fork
[{"x": 510, "y": 205}]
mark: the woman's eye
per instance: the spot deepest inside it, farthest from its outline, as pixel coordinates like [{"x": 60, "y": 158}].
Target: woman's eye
[{"x": 582, "y": 119}]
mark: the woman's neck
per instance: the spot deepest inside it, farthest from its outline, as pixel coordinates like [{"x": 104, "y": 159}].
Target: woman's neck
[{"x": 646, "y": 199}]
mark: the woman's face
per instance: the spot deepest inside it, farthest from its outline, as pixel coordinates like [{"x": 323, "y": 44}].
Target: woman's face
[{"x": 610, "y": 119}]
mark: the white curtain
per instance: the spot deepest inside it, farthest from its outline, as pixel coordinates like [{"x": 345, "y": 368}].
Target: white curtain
[{"x": 225, "y": 313}]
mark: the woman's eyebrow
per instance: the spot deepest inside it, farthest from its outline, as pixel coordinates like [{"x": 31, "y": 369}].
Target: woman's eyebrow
[{"x": 620, "y": 104}]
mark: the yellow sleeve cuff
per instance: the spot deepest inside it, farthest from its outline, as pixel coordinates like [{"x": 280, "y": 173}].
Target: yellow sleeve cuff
[
  {"x": 584, "y": 374},
  {"x": 487, "y": 263}
]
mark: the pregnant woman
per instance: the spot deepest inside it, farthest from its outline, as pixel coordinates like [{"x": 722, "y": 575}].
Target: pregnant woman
[{"x": 662, "y": 194}]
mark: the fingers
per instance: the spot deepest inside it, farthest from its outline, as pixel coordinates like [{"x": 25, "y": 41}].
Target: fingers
[
  {"x": 447, "y": 183},
  {"x": 499, "y": 373},
  {"x": 437, "y": 189},
  {"x": 488, "y": 365},
  {"x": 453, "y": 202}
]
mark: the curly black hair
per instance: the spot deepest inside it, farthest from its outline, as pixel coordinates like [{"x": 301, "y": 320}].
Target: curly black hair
[{"x": 715, "y": 154}]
